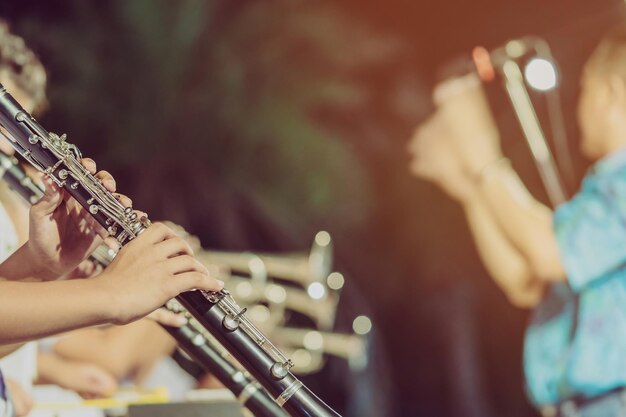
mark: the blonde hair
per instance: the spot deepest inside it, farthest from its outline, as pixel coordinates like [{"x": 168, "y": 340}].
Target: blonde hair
[{"x": 22, "y": 66}]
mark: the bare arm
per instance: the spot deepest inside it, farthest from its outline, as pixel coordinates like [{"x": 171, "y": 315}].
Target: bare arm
[
  {"x": 526, "y": 222},
  {"x": 505, "y": 264},
  {"x": 147, "y": 272},
  {"x": 436, "y": 159},
  {"x": 31, "y": 310},
  {"x": 466, "y": 123}
]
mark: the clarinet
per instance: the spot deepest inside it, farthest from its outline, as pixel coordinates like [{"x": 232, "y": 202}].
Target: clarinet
[
  {"x": 217, "y": 311},
  {"x": 198, "y": 345},
  {"x": 191, "y": 337},
  {"x": 17, "y": 179}
]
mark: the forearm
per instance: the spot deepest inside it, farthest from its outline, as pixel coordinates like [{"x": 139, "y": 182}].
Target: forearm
[
  {"x": 504, "y": 262},
  {"x": 36, "y": 310},
  {"x": 525, "y": 222},
  {"x": 21, "y": 266}
]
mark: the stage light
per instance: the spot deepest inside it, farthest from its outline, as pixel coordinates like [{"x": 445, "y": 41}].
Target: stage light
[{"x": 540, "y": 74}]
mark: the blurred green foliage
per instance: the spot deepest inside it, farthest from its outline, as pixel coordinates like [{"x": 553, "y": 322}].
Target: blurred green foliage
[{"x": 202, "y": 91}]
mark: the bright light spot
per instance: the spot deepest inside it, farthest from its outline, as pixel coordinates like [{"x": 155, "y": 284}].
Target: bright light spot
[
  {"x": 313, "y": 340},
  {"x": 256, "y": 265},
  {"x": 515, "y": 48},
  {"x": 276, "y": 294},
  {"x": 322, "y": 238},
  {"x": 362, "y": 325},
  {"x": 316, "y": 291},
  {"x": 541, "y": 74},
  {"x": 302, "y": 358},
  {"x": 244, "y": 289},
  {"x": 259, "y": 313},
  {"x": 335, "y": 281}
]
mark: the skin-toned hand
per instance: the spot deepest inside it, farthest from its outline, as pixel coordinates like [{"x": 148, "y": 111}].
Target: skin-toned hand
[
  {"x": 22, "y": 401},
  {"x": 193, "y": 240},
  {"x": 471, "y": 129},
  {"x": 61, "y": 232},
  {"x": 88, "y": 380},
  {"x": 150, "y": 270},
  {"x": 435, "y": 159},
  {"x": 167, "y": 318}
]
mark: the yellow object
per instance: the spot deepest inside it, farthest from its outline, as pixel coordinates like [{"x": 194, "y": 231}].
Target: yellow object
[{"x": 122, "y": 398}]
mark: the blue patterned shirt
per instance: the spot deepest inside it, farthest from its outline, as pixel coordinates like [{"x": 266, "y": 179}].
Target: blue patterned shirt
[{"x": 576, "y": 342}]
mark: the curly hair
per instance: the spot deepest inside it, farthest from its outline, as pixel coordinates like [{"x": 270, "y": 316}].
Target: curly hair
[{"x": 22, "y": 66}]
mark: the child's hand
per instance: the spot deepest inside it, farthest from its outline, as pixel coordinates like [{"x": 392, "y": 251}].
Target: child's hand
[
  {"x": 61, "y": 232},
  {"x": 168, "y": 318},
  {"x": 150, "y": 270},
  {"x": 89, "y": 380}
]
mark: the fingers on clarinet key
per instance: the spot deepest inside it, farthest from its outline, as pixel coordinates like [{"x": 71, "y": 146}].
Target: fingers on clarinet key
[
  {"x": 90, "y": 164},
  {"x": 125, "y": 201},
  {"x": 107, "y": 180}
]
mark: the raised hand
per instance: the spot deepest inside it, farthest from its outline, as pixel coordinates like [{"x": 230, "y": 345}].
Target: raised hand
[
  {"x": 435, "y": 159},
  {"x": 469, "y": 125}
]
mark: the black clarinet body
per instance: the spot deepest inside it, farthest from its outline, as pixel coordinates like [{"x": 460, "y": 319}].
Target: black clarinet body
[
  {"x": 214, "y": 359},
  {"x": 189, "y": 337},
  {"x": 226, "y": 321},
  {"x": 217, "y": 311},
  {"x": 17, "y": 179},
  {"x": 60, "y": 160}
]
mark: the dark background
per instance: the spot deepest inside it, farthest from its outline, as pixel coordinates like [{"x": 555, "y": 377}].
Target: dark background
[{"x": 256, "y": 123}]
